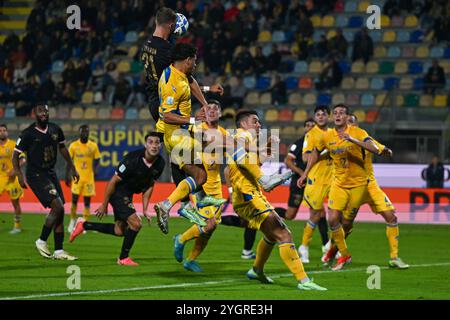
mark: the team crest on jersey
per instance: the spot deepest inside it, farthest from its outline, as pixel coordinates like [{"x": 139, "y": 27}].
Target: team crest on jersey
[
  {"x": 53, "y": 192},
  {"x": 54, "y": 136}
]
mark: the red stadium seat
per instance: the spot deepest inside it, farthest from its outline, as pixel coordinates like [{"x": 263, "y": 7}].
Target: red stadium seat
[
  {"x": 305, "y": 83},
  {"x": 286, "y": 115},
  {"x": 117, "y": 114}
]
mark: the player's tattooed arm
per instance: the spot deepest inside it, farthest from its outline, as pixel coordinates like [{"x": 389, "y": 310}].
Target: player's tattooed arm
[
  {"x": 110, "y": 188},
  {"x": 312, "y": 160}
]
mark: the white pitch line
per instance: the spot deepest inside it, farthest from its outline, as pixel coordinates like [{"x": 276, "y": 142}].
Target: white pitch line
[{"x": 195, "y": 284}]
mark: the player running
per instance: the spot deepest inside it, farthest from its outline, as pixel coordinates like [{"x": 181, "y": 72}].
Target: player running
[
  {"x": 40, "y": 142},
  {"x": 136, "y": 173},
  {"x": 318, "y": 184},
  {"x": 250, "y": 204},
  {"x": 8, "y": 179},
  {"x": 379, "y": 203},
  {"x": 85, "y": 155},
  {"x": 344, "y": 144}
]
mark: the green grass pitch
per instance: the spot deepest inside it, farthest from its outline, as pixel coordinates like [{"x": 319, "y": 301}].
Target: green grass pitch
[{"x": 25, "y": 274}]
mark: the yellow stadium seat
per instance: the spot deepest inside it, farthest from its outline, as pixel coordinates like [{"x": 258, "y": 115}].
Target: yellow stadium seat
[
  {"x": 401, "y": 67},
  {"x": 252, "y": 50},
  {"x": 362, "y": 6},
  {"x": 229, "y": 112},
  {"x": 265, "y": 98},
  {"x": 295, "y": 99},
  {"x": 12, "y": 127},
  {"x": 90, "y": 113},
  {"x": 52, "y": 113},
  {"x": 309, "y": 99},
  {"x": 348, "y": 83},
  {"x": 331, "y": 34},
  {"x": 372, "y": 67},
  {"x": 144, "y": 113},
  {"x": 411, "y": 21},
  {"x": 300, "y": 130},
  {"x": 445, "y": 64},
  {"x": 104, "y": 113},
  {"x": 252, "y": 98},
  {"x": 406, "y": 83},
  {"x": 426, "y": 100},
  {"x": 87, "y": 97},
  {"x": 132, "y": 51},
  {"x": 124, "y": 66},
  {"x": 358, "y": 67},
  {"x": 200, "y": 67},
  {"x": 379, "y": 99},
  {"x": 300, "y": 115},
  {"x": 67, "y": 127},
  {"x": 148, "y": 127},
  {"x": 315, "y": 67},
  {"x": 288, "y": 131},
  {"x": 295, "y": 49},
  {"x": 264, "y": 36},
  {"x": 362, "y": 83},
  {"x": 385, "y": 21},
  {"x": 316, "y": 20},
  {"x": 77, "y": 113},
  {"x": 23, "y": 126},
  {"x": 422, "y": 52},
  {"x": 440, "y": 100},
  {"x": 13, "y": 25},
  {"x": 327, "y": 21},
  {"x": 361, "y": 115},
  {"x": 380, "y": 52},
  {"x": 389, "y": 36},
  {"x": 271, "y": 115},
  {"x": 338, "y": 98},
  {"x": 400, "y": 100}
]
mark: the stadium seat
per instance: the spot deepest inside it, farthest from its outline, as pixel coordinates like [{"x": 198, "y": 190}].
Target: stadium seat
[
  {"x": 300, "y": 115},
  {"x": 418, "y": 84},
  {"x": 402, "y": 36},
  {"x": 118, "y": 37},
  {"x": 345, "y": 66},
  {"x": 52, "y": 112},
  {"x": 264, "y": 36},
  {"x": 271, "y": 115},
  {"x": 295, "y": 99},
  {"x": 411, "y": 100},
  {"x": 408, "y": 52},
  {"x": 341, "y": 21},
  {"x": 265, "y": 98},
  {"x": 291, "y": 83},
  {"x": 440, "y": 100},
  {"x": 437, "y": 52},
  {"x": 426, "y": 100},
  {"x": 315, "y": 67},
  {"x": 117, "y": 113},
  {"x": 379, "y": 52},
  {"x": 229, "y": 112},
  {"x": 250, "y": 82},
  {"x": 390, "y": 83},
  {"x": 389, "y": 36},
  {"x": 131, "y": 37},
  {"x": 67, "y": 127},
  {"x": 376, "y": 35},
  {"x": 10, "y": 113},
  {"x": 358, "y": 67},
  {"x": 379, "y": 99},
  {"x": 132, "y": 51},
  {"x": 352, "y": 99},
  {"x": 58, "y": 66},
  {"x": 362, "y": 83},
  {"x": 309, "y": 99},
  {"x": 87, "y": 97},
  {"x": 90, "y": 113},
  {"x": 12, "y": 127},
  {"x": 361, "y": 115},
  {"x": 411, "y": 21},
  {"x": 301, "y": 67},
  {"x": 77, "y": 113},
  {"x": 131, "y": 114},
  {"x": 394, "y": 52},
  {"x": 316, "y": 20},
  {"x": 233, "y": 82},
  {"x": 416, "y": 36},
  {"x": 288, "y": 131},
  {"x": 415, "y": 67},
  {"x": 283, "y": 149},
  {"x": 349, "y": 35},
  {"x": 2, "y": 112},
  {"x": 397, "y": 21},
  {"x": 338, "y": 98},
  {"x": 252, "y": 98},
  {"x": 406, "y": 83},
  {"x": 362, "y": 6},
  {"x": 331, "y": 33},
  {"x": 263, "y": 83},
  {"x": 399, "y": 100},
  {"x": 372, "y": 67},
  {"x": 278, "y": 36},
  {"x": 401, "y": 67},
  {"x": 355, "y": 22},
  {"x": 63, "y": 112},
  {"x": 124, "y": 66},
  {"x": 348, "y": 83},
  {"x": 23, "y": 126},
  {"x": 104, "y": 113},
  {"x": 367, "y": 100},
  {"x": 385, "y": 21},
  {"x": 386, "y": 67},
  {"x": 305, "y": 83},
  {"x": 351, "y": 6},
  {"x": 447, "y": 52},
  {"x": 286, "y": 115},
  {"x": 371, "y": 116},
  {"x": 286, "y": 66},
  {"x": 327, "y": 21},
  {"x": 376, "y": 83},
  {"x": 324, "y": 99},
  {"x": 98, "y": 97}
]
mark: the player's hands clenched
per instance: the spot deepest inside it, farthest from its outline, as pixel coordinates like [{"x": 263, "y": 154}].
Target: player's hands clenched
[
  {"x": 101, "y": 211},
  {"x": 216, "y": 88}
]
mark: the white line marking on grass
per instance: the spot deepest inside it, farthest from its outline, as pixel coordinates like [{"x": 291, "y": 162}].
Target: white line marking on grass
[{"x": 196, "y": 284}]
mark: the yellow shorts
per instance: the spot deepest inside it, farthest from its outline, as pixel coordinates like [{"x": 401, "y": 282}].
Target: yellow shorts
[
  {"x": 208, "y": 212},
  {"x": 252, "y": 207},
  {"x": 183, "y": 149},
  {"x": 315, "y": 195},
  {"x": 84, "y": 188},
  {"x": 342, "y": 198},
  {"x": 13, "y": 188}
]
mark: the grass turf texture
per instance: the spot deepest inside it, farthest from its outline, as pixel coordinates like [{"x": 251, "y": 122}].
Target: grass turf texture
[{"x": 23, "y": 272}]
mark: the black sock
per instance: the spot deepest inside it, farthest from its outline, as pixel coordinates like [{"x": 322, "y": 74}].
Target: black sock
[
  {"x": 59, "y": 239},
  {"x": 45, "y": 233},
  {"x": 281, "y": 212},
  {"x": 231, "y": 221},
  {"x": 249, "y": 238},
  {"x": 323, "y": 228},
  {"x": 107, "y": 228},
  {"x": 130, "y": 236}
]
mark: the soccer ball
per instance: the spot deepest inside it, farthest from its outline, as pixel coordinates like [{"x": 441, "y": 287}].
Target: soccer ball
[{"x": 182, "y": 24}]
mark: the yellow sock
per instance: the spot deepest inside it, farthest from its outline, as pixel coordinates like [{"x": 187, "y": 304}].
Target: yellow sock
[
  {"x": 200, "y": 244},
  {"x": 73, "y": 211},
  {"x": 17, "y": 224},
  {"x": 392, "y": 233},
  {"x": 308, "y": 233},
  {"x": 339, "y": 239},
  {"x": 291, "y": 259},
  {"x": 183, "y": 189},
  {"x": 189, "y": 234},
  {"x": 262, "y": 254},
  {"x": 86, "y": 214}
]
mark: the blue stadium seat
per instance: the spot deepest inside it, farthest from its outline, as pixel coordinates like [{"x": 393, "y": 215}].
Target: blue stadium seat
[
  {"x": 394, "y": 52},
  {"x": 341, "y": 21},
  {"x": 418, "y": 84},
  {"x": 291, "y": 83},
  {"x": 58, "y": 66},
  {"x": 416, "y": 36},
  {"x": 263, "y": 83},
  {"x": 249, "y": 82},
  {"x": 267, "y": 49},
  {"x": 345, "y": 66},
  {"x": 10, "y": 113},
  {"x": 286, "y": 66},
  {"x": 324, "y": 99},
  {"x": 290, "y": 36},
  {"x": 415, "y": 67},
  {"x": 349, "y": 36},
  {"x": 376, "y": 35},
  {"x": 278, "y": 36},
  {"x": 402, "y": 36},
  {"x": 391, "y": 82},
  {"x": 131, "y": 114},
  {"x": 351, "y": 6},
  {"x": 131, "y": 37},
  {"x": 355, "y": 22},
  {"x": 376, "y": 83},
  {"x": 437, "y": 52},
  {"x": 301, "y": 67},
  {"x": 447, "y": 53},
  {"x": 316, "y": 36},
  {"x": 118, "y": 37},
  {"x": 367, "y": 100}
]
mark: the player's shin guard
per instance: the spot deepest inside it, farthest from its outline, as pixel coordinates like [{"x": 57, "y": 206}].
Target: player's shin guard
[
  {"x": 392, "y": 233},
  {"x": 263, "y": 252},
  {"x": 308, "y": 233},
  {"x": 338, "y": 236},
  {"x": 128, "y": 241},
  {"x": 191, "y": 233},
  {"x": 199, "y": 246},
  {"x": 182, "y": 190},
  {"x": 291, "y": 259}
]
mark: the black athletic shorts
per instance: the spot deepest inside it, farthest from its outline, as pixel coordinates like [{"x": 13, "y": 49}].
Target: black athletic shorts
[
  {"x": 295, "y": 194},
  {"x": 122, "y": 203},
  {"x": 45, "y": 186}
]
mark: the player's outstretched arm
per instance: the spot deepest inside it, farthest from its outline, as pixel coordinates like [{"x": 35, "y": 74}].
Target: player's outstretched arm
[
  {"x": 312, "y": 160},
  {"x": 290, "y": 163},
  {"x": 17, "y": 169},
  {"x": 197, "y": 92}
]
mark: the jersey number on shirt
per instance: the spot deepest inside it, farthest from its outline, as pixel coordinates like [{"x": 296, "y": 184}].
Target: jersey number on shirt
[{"x": 149, "y": 61}]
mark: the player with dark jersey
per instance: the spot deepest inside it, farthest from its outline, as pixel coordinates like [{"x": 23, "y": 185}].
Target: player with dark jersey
[
  {"x": 136, "y": 173},
  {"x": 41, "y": 142}
]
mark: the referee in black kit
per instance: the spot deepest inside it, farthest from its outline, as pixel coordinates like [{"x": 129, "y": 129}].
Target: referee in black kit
[{"x": 40, "y": 142}]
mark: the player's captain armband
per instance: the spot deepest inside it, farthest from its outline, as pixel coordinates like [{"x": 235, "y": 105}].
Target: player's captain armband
[
  {"x": 169, "y": 100},
  {"x": 293, "y": 147},
  {"x": 122, "y": 168}
]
